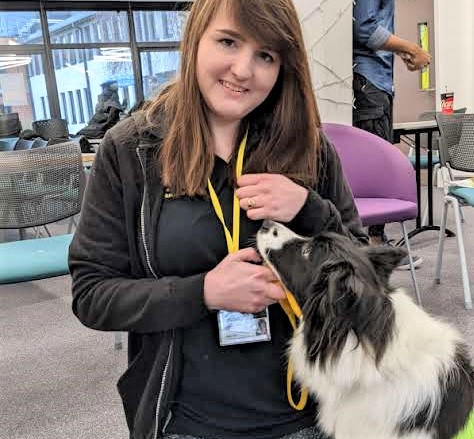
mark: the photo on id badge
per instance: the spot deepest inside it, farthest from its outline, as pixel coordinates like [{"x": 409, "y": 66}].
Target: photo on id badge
[{"x": 239, "y": 328}]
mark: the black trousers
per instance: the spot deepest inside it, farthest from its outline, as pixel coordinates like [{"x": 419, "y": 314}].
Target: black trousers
[{"x": 373, "y": 112}]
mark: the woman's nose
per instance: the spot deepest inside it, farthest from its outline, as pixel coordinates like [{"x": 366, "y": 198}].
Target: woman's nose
[{"x": 242, "y": 67}]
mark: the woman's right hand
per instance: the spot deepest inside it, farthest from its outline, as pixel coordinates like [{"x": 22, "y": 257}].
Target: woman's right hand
[{"x": 237, "y": 283}]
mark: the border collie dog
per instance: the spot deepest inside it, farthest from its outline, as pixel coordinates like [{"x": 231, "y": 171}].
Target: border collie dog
[{"x": 379, "y": 366}]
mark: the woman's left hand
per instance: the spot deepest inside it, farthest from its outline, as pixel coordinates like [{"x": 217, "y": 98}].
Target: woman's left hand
[{"x": 270, "y": 196}]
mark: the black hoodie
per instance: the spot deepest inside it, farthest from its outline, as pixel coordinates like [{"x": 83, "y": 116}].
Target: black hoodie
[{"x": 116, "y": 286}]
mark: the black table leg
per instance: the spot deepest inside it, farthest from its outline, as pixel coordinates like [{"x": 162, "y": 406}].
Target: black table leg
[
  {"x": 430, "y": 178},
  {"x": 419, "y": 228},
  {"x": 418, "y": 177}
]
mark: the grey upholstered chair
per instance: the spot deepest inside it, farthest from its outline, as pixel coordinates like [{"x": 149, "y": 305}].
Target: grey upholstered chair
[{"x": 40, "y": 186}]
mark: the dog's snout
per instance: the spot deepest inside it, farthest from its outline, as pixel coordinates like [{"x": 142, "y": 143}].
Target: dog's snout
[{"x": 266, "y": 226}]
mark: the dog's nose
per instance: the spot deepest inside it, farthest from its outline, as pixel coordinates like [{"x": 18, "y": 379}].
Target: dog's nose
[{"x": 266, "y": 225}]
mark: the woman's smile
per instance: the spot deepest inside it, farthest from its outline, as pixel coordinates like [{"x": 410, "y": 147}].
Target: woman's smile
[{"x": 233, "y": 87}]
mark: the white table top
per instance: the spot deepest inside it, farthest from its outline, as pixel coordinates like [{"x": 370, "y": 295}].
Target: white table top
[{"x": 415, "y": 125}]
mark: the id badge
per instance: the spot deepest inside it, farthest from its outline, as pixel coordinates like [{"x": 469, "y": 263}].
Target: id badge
[{"x": 239, "y": 328}]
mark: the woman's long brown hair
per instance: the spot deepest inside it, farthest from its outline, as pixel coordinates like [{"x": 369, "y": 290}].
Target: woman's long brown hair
[{"x": 288, "y": 121}]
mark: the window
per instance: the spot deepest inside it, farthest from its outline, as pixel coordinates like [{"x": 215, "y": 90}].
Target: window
[
  {"x": 78, "y": 36},
  {"x": 57, "y": 59},
  {"x": 43, "y": 106},
  {"x": 80, "y": 106},
  {"x": 87, "y": 39},
  {"x": 37, "y": 64},
  {"x": 64, "y": 112},
  {"x": 111, "y": 64},
  {"x": 91, "y": 54},
  {"x": 72, "y": 107},
  {"x": 158, "y": 68},
  {"x": 21, "y": 87},
  {"x": 20, "y": 27},
  {"x": 89, "y": 103},
  {"x": 87, "y": 34},
  {"x": 105, "y": 26},
  {"x": 159, "y": 25},
  {"x": 125, "y": 95}
]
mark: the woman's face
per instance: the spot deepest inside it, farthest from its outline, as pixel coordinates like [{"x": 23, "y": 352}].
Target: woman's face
[{"x": 234, "y": 72}]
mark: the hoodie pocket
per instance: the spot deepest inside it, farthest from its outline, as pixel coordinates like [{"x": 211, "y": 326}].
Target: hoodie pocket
[{"x": 131, "y": 385}]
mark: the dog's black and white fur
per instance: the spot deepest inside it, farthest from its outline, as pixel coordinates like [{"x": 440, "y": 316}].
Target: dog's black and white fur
[{"x": 379, "y": 365}]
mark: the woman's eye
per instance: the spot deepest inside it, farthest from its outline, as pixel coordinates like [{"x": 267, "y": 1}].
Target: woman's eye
[
  {"x": 305, "y": 251},
  {"x": 267, "y": 57},
  {"x": 227, "y": 42}
]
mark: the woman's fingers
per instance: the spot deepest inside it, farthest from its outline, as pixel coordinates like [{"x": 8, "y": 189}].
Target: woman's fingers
[
  {"x": 245, "y": 255},
  {"x": 274, "y": 291}
]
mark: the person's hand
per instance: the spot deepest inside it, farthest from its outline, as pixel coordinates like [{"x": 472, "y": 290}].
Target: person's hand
[
  {"x": 237, "y": 284},
  {"x": 270, "y": 196},
  {"x": 415, "y": 58}
]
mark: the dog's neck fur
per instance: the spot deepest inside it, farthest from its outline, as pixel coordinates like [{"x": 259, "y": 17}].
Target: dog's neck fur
[{"x": 417, "y": 339}]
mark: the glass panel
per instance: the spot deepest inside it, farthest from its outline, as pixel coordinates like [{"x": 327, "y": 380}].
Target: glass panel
[
  {"x": 69, "y": 27},
  {"x": 159, "y": 25},
  {"x": 22, "y": 93},
  {"x": 97, "y": 80},
  {"x": 158, "y": 68},
  {"x": 20, "y": 28}
]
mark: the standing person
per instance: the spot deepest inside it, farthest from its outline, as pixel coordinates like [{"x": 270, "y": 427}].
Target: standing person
[
  {"x": 374, "y": 47},
  {"x": 151, "y": 257}
]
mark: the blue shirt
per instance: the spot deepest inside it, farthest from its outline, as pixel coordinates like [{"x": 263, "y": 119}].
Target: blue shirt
[{"x": 372, "y": 26}]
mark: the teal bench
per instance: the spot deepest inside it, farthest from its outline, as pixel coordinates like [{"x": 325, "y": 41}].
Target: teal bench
[{"x": 33, "y": 259}]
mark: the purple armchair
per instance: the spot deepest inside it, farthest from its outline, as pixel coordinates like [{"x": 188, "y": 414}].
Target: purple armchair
[{"x": 381, "y": 178}]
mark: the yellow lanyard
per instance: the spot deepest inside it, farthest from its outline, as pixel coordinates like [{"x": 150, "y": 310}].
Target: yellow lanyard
[
  {"x": 289, "y": 304},
  {"x": 232, "y": 240},
  {"x": 293, "y": 311}
]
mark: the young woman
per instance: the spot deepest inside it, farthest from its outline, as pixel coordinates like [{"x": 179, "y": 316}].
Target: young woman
[{"x": 151, "y": 256}]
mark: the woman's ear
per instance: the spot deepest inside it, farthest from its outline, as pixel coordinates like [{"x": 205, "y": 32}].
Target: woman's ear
[{"x": 385, "y": 259}]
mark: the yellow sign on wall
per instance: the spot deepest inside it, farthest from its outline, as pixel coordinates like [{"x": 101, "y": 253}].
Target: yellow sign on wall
[{"x": 425, "y": 45}]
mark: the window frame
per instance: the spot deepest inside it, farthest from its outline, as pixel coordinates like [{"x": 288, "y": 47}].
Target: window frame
[{"x": 46, "y": 49}]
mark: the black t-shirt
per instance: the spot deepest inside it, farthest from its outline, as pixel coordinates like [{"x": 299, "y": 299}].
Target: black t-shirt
[{"x": 232, "y": 391}]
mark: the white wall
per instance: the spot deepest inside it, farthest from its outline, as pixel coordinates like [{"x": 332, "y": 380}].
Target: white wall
[
  {"x": 454, "y": 37},
  {"x": 327, "y": 27}
]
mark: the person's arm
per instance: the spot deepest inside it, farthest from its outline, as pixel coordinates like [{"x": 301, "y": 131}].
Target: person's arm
[
  {"x": 331, "y": 206},
  {"x": 105, "y": 294},
  {"x": 367, "y": 31},
  {"x": 413, "y": 55}
]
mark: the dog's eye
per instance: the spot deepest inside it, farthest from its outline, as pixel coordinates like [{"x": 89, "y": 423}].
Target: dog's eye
[{"x": 306, "y": 251}]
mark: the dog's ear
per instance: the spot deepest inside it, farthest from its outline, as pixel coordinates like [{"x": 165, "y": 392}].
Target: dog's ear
[
  {"x": 354, "y": 305},
  {"x": 327, "y": 310},
  {"x": 385, "y": 259},
  {"x": 336, "y": 283},
  {"x": 343, "y": 302}
]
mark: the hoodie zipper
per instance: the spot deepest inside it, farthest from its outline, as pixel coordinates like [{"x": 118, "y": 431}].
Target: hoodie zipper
[
  {"x": 148, "y": 261},
  {"x": 142, "y": 215}
]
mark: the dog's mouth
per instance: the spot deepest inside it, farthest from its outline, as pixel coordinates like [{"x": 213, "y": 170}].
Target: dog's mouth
[
  {"x": 265, "y": 255},
  {"x": 270, "y": 239}
]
